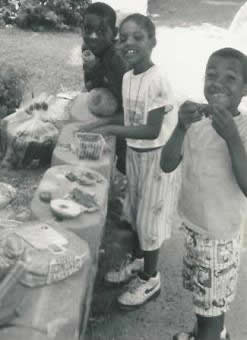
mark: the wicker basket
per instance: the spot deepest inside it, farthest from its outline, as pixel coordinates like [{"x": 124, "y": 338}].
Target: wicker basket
[{"x": 89, "y": 145}]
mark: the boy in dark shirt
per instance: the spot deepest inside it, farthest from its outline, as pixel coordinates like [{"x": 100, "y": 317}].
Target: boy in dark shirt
[{"x": 105, "y": 67}]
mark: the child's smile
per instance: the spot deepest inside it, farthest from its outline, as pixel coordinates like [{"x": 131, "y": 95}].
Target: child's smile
[
  {"x": 224, "y": 82},
  {"x": 136, "y": 46}
]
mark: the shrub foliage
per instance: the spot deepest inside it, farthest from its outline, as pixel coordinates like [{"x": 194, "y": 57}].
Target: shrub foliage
[
  {"x": 8, "y": 11},
  {"x": 44, "y": 14},
  {"x": 12, "y": 87}
]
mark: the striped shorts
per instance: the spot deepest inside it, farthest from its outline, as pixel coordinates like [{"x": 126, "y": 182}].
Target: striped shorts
[
  {"x": 150, "y": 198},
  {"x": 210, "y": 272}
]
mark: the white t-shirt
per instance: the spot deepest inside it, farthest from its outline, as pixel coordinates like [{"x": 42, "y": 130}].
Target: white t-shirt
[
  {"x": 141, "y": 94},
  {"x": 210, "y": 199}
]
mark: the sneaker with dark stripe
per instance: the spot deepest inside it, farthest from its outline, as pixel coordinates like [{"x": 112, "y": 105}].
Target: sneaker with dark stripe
[
  {"x": 128, "y": 269},
  {"x": 139, "y": 291}
]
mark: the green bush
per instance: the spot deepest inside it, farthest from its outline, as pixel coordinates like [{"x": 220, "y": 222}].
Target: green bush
[
  {"x": 51, "y": 14},
  {"x": 8, "y": 11},
  {"x": 12, "y": 86}
]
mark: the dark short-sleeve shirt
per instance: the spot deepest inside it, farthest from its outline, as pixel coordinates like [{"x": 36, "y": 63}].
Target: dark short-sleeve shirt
[{"x": 108, "y": 72}]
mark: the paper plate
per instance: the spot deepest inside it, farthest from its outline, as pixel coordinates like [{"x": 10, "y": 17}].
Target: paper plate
[{"x": 64, "y": 208}]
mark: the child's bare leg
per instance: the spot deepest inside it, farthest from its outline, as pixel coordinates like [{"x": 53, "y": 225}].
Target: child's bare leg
[{"x": 209, "y": 328}]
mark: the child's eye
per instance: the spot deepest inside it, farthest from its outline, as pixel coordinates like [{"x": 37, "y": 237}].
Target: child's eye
[
  {"x": 89, "y": 30},
  {"x": 122, "y": 38},
  {"x": 231, "y": 77},
  {"x": 211, "y": 75},
  {"x": 138, "y": 37}
]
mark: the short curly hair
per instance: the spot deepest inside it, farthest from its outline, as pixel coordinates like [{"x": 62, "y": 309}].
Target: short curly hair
[
  {"x": 103, "y": 11},
  {"x": 142, "y": 21},
  {"x": 229, "y": 52}
]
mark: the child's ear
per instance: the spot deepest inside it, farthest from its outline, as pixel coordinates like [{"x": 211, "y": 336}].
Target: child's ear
[
  {"x": 115, "y": 32},
  {"x": 153, "y": 41}
]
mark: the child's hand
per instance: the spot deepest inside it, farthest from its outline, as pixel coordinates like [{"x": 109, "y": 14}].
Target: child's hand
[
  {"x": 188, "y": 114},
  {"x": 223, "y": 123},
  {"x": 89, "y": 65},
  {"x": 89, "y": 85},
  {"x": 89, "y": 60}
]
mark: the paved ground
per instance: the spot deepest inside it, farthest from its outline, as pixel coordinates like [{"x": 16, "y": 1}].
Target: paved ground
[{"x": 172, "y": 310}]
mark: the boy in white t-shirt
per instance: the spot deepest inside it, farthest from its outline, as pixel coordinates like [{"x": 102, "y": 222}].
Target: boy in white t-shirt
[{"x": 212, "y": 150}]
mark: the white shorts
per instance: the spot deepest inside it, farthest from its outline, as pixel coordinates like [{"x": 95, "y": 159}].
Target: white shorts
[{"x": 150, "y": 199}]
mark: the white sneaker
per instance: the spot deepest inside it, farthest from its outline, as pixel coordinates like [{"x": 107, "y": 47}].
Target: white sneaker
[
  {"x": 224, "y": 335},
  {"x": 128, "y": 269},
  {"x": 139, "y": 292}
]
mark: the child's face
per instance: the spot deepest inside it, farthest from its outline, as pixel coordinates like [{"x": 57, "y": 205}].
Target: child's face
[
  {"x": 224, "y": 79},
  {"x": 97, "y": 34},
  {"x": 136, "y": 45}
]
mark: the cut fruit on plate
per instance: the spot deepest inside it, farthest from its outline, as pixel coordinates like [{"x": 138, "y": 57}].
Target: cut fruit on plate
[
  {"x": 84, "y": 177},
  {"x": 45, "y": 196},
  {"x": 64, "y": 208},
  {"x": 87, "y": 201}
]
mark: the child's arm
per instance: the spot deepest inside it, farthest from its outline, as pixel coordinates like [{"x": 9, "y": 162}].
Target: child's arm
[
  {"x": 172, "y": 152},
  {"x": 93, "y": 76},
  {"x": 239, "y": 162},
  {"x": 92, "y": 69},
  {"x": 116, "y": 70},
  {"x": 116, "y": 119},
  {"x": 150, "y": 130},
  {"x": 223, "y": 123}
]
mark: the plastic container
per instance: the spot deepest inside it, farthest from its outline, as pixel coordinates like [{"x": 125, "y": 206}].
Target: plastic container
[{"x": 89, "y": 145}]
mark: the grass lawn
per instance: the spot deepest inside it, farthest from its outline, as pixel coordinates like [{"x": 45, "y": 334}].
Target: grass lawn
[{"x": 45, "y": 56}]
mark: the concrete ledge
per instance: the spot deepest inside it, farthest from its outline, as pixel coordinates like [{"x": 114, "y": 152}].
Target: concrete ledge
[
  {"x": 53, "y": 311},
  {"x": 89, "y": 225}
]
